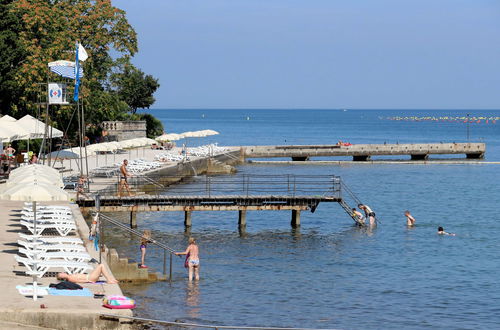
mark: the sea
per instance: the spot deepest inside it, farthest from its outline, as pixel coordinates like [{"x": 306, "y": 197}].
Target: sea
[{"x": 329, "y": 274}]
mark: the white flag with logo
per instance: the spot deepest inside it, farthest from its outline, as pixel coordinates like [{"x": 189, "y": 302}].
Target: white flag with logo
[{"x": 82, "y": 53}]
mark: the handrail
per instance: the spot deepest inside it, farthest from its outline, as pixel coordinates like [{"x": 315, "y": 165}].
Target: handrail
[
  {"x": 135, "y": 232},
  {"x": 182, "y": 324},
  {"x": 349, "y": 191}
]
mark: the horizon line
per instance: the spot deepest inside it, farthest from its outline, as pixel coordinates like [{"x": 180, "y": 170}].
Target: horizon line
[{"x": 334, "y": 109}]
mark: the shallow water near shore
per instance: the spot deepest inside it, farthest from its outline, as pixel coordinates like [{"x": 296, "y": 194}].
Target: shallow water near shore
[{"x": 328, "y": 274}]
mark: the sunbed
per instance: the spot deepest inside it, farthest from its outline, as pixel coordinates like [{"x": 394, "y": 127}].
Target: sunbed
[
  {"x": 68, "y": 256},
  {"x": 40, "y": 267},
  {"x": 62, "y": 228},
  {"x": 42, "y": 246},
  {"x": 53, "y": 240}
]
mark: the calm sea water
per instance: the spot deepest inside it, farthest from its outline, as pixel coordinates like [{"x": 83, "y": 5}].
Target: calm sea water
[{"x": 328, "y": 274}]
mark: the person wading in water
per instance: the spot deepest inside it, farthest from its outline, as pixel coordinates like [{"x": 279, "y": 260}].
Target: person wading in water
[{"x": 193, "y": 259}]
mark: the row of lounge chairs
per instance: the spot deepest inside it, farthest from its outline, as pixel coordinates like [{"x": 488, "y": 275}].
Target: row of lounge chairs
[
  {"x": 41, "y": 254},
  {"x": 134, "y": 166},
  {"x": 201, "y": 151}
]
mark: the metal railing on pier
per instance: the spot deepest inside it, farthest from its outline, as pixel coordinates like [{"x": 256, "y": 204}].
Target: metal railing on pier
[{"x": 241, "y": 185}]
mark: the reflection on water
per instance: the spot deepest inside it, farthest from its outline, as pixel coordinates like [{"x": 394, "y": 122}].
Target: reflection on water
[{"x": 193, "y": 299}]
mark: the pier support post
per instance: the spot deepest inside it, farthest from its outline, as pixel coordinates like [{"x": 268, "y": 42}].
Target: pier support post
[
  {"x": 187, "y": 218},
  {"x": 133, "y": 220},
  {"x": 419, "y": 157},
  {"x": 295, "y": 218},
  {"x": 300, "y": 158},
  {"x": 361, "y": 158},
  {"x": 475, "y": 156},
  {"x": 242, "y": 218}
]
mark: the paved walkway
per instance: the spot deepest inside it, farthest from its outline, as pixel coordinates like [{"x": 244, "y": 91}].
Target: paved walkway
[{"x": 61, "y": 312}]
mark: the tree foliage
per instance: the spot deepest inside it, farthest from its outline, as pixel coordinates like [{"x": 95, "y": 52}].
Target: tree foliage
[
  {"x": 134, "y": 87},
  {"x": 36, "y": 32},
  {"x": 154, "y": 126}
]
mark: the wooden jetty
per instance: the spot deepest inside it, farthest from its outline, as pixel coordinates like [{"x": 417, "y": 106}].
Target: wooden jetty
[
  {"x": 242, "y": 194},
  {"x": 363, "y": 152}
]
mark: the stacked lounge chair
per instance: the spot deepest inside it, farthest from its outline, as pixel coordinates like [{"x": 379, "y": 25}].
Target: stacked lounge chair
[{"x": 41, "y": 254}]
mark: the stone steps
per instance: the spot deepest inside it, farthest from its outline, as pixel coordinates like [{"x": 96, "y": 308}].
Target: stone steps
[{"x": 126, "y": 271}]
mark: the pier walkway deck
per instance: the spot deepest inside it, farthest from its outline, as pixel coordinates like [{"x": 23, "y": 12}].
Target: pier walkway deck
[
  {"x": 363, "y": 152},
  {"x": 245, "y": 193}
]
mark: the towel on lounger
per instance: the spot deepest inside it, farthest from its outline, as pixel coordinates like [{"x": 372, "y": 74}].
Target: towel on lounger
[
  {"x": 74, "y": 293},
  {"x": 27, "y": 290}
]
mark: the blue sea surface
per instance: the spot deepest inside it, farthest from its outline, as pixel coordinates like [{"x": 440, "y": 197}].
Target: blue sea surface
[{"x": 327, "y": 273}]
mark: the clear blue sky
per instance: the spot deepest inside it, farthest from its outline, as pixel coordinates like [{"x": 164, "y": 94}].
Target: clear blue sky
[{"x": 417, "y": 54}]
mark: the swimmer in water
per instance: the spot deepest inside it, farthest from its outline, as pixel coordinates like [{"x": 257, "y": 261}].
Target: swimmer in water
[
  {"x": 442, "y": 232},
  {"x": 369, "y": 214},
  {"x": 410, "y": 220},
  {"x": 360, "y": 219}
]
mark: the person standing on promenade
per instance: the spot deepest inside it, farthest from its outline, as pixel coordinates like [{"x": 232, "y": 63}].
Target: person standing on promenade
[
  {"x": 410, "y": 220},
  {"x": 192, "y": 258},
  {"x": 9, "y": 151},
  {"x": 146, "y": 237},
  {"x": 124, "y": 174},
  {"x": 360, "y": 219},
  {"x": 369, "y": 214}
]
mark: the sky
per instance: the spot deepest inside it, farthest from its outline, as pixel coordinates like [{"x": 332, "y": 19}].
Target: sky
[{"x": 320, "y": 54}]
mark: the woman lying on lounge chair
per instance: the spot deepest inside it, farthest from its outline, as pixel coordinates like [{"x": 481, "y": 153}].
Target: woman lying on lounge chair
[{"x": 88, "y": 278}]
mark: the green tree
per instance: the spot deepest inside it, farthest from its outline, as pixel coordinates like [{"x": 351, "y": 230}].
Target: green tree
[
  {"x": 11, "y": 55},
  {"x": 154, "y": 127},
  {"x": 134, "y": 87}
]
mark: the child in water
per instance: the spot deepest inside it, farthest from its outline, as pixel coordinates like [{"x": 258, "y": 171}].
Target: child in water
[{"x": 146, "y": 236}]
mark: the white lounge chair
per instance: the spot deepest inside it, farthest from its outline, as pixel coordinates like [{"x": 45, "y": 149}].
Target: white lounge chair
[
  {"x": 68, "y": 256},
  {"x": 40, "y": 267},
  {"x": 42, "y": 246},
  {"x": 62, "y": 228},
  {"x": 46, "y": 211},
  {"x": 53, "y": 240}
]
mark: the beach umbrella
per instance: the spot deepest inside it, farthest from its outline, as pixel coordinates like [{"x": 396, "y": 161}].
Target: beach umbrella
[
  {"x": 63, "y": 154},
  {"x": 34, "y": 174},
  {"x": 34, "y": 192},
  {"x": 190, "y": 134},
  {"x": 35, "y": 167},
  {"x": 34, "y": 178},
  {"x": 169, "y": 137},
  {"x": 209, "y": 132}
]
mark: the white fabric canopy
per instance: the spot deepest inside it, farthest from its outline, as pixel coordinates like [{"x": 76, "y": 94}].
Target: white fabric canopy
[
  {"x": 11, "y": 130},
  {"x": 8, "y": 118},
  {"x": 36, "y": 128}
]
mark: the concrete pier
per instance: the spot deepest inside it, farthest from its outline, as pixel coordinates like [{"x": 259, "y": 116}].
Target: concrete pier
[
  {"x": 133, "y": 220},
  {"x": 295, "y": 219},
  {"x": 187, "y": 219},
  {"x": 242, "y": 218},
  {"x": 363, "y": 152}
]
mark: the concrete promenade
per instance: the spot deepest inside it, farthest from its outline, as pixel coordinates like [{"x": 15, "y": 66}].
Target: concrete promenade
[{"x": 61, "y": 312}]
